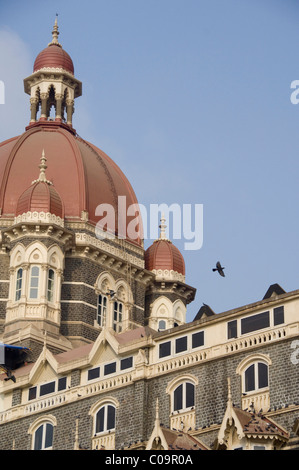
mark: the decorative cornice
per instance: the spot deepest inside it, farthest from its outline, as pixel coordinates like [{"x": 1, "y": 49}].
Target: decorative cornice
[
  {"x": 39, "y": 217},
  {"x": 84, "y": 239},
  {"x": 168, "y": 275}
]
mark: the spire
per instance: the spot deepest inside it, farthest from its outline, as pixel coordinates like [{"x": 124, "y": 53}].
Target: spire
[
  {"x": 42, "y": 173},
  {"x": 55, "y": 34},
  {"x": 163, "y": 226}
]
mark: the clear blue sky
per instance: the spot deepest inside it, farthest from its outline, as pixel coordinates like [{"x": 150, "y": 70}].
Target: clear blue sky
[{"x": 191, "y": 98}]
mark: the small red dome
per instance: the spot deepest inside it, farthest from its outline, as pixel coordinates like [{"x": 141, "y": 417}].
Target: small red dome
[
  {"x": 54, "y": 56},
  {"x": 162, "y": 254},
  {"x": 40, "y": 197}
]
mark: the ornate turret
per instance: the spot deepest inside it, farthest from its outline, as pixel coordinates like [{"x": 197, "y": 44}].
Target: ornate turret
[
  {"x": 52, "y": 83},
  {"x": 41, "y": 196},
  {"x": 168, "y": 295}
]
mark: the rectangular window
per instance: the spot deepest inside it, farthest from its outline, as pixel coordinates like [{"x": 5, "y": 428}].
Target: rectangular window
[
  {"x": 93, "y": 373},
  {"x": 198, "y": 339},
  {"x": 32, "y": 393},
  {"x": 190, "y": 399},
  {"x": 249, "y": 379},
  {"x": 45, "y": 389},
  {"x": 126, "y": 363},
  {"x": 178, "y": 398},
  {"x": 262, "y": 375},
  {"x": 255, "y": 322},
  {"x": 100, "y": 420},
  {"x": 165, "y": 349},
  {"x": 110, "y": 368},
  {"x": 19, "y": 284},
  {"x": 278, "y": 314},
  {"x": 232, "y": 329},
  {"x": 102, "y": 309},
  {"x": 34, "y": 281},
  {"x": 61, "y": 384},
  {"x": 111, "y": 417},
  {"x": 50, "y": 290},
  {"x": 181, "y": 344}
]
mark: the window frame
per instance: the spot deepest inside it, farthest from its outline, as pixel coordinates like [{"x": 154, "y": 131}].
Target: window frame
[
  {"x": 235, "y": 328},
  {"x": 39, "y": 423},
  {"x": 45, "y": 429},
  {"x": 51, "y": 282},
  {"x": 102, "y": 310},
  {"x": 19, "y": 284},
  {"x": 256, "y": 377},
  {"x": 106, "y": 428},
  {"x": 35, "y": 390},
  {"x": 30, "y": 286},
  {"x": 184, "y": 396},
  {"x": 117, "y": 316}
]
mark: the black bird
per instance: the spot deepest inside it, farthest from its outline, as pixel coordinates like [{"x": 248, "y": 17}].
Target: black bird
[
  {"x": 219, "y": 268},
  {"x": 111, "y": 293},
  {"x": 10, "y": 376}
]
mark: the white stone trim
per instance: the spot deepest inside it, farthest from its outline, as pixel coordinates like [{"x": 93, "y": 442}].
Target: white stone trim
[
  {"x": 39, "y": 217},
  {"x": 84, "y": 239},
  {"x": 168, "y": 275},
  {"x": 78, "y": 302}
]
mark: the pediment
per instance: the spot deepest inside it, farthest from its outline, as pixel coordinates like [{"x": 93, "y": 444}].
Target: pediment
[
  {"x": 105, "y": 348},
  {"x": 45, "y": 368}
]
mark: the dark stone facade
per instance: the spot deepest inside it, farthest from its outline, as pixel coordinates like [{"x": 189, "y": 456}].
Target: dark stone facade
[{"x": 136, "y": 411}]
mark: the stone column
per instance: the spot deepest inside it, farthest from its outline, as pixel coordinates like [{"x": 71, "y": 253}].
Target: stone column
[
  {"x": 33, "y": 109},
  {"x": 58, "y": 116},
  {"x": 69, "y": 111},
  {"x": 44, "y": 98}
]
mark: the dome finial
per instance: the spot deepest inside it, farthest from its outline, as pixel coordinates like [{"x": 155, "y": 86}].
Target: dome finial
[
  {"x": 55, "y": 34},
  {"x": 42, "y": 173},
  {"x": 163, "y": 226}
]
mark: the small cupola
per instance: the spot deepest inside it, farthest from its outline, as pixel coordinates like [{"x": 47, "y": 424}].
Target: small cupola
[
  {"x": 41, "y": 196},
  {"x": 53, "y": 84},
  {"x": 163, "y": 257}
]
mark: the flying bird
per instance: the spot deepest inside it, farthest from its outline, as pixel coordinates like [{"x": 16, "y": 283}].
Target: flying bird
[{"x": 219, "y": 268}]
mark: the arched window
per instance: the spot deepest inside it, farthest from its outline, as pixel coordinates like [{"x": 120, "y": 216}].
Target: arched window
[
  {"x": 105, "y": 419},
  {"x": 43, "y": 437},
  {"x": 117, "y": 316},
  {"x": 34, "y": 282},
  {"x": 256, "y": 377},
  {"x": 102, "y": 309},
  {"x": 183, "y": 396},
  {"x": 50, "y": 286},
  {"x": 19, "y": 284},
  {"x": 162, "y": 325}
]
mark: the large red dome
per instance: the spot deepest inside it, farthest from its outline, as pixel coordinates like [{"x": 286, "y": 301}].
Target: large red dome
[
  {"x": 83, "y": 175},
  {"x": 54, "y": 56}
]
